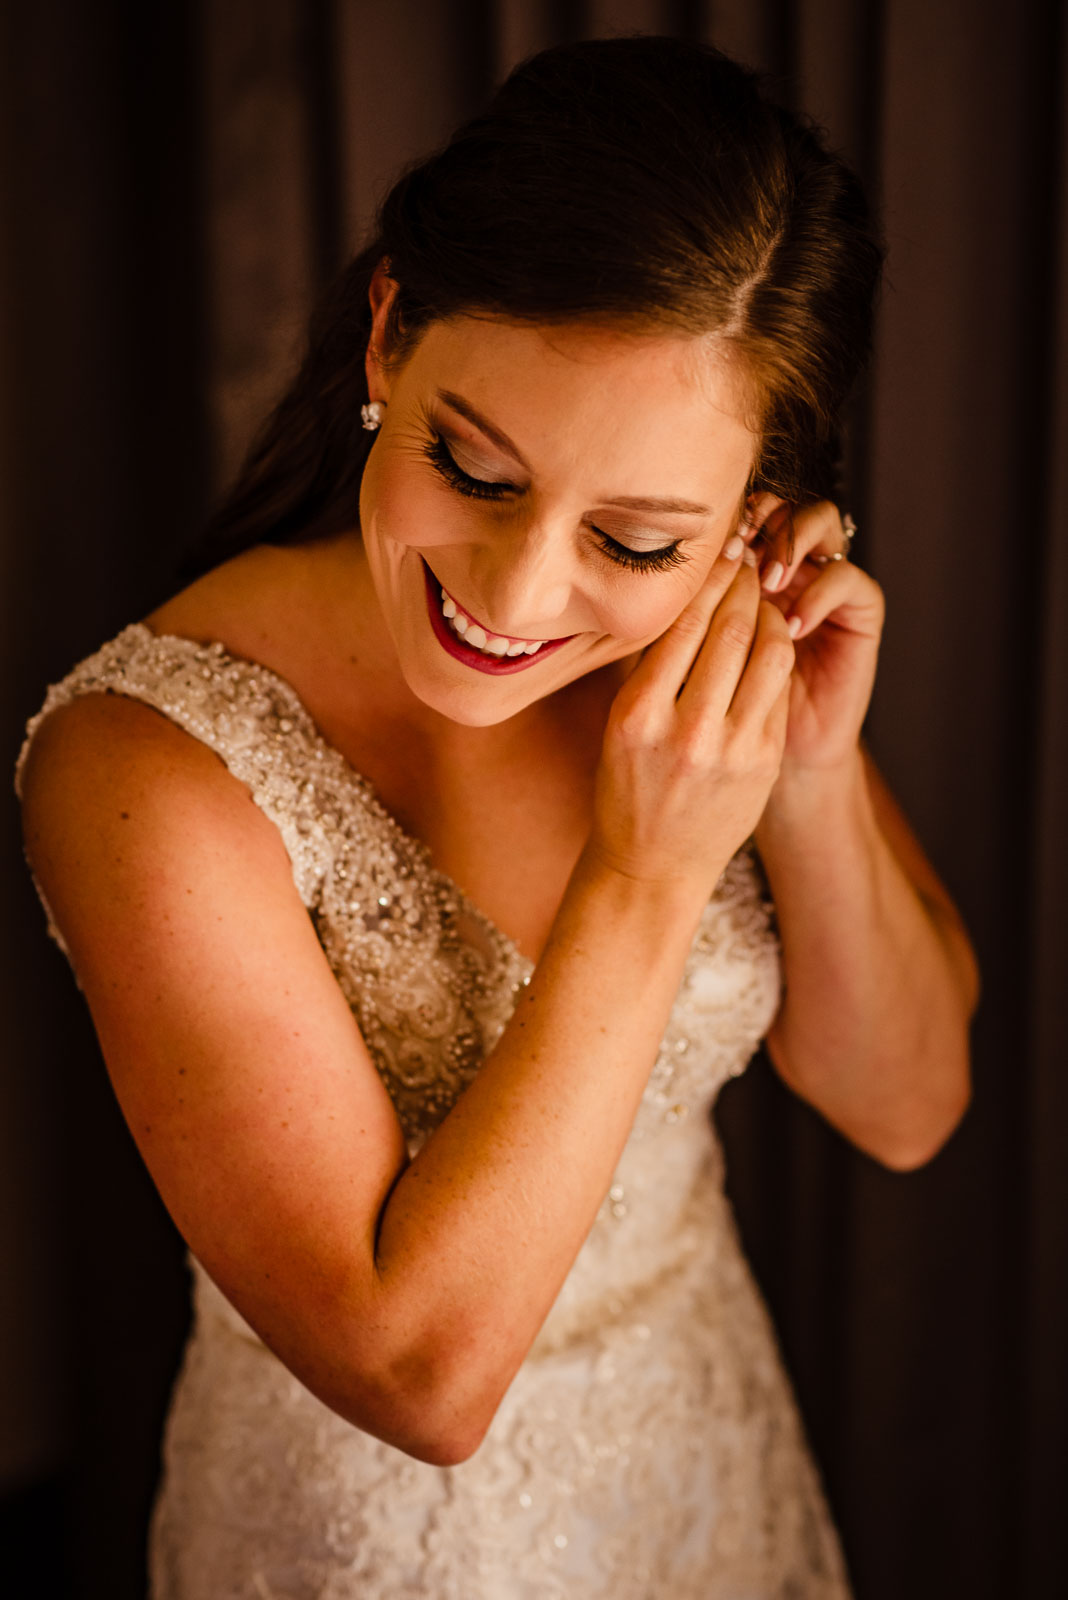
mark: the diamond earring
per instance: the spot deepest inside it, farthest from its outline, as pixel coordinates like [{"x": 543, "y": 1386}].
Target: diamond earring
[{"x": 372, "y": 414}]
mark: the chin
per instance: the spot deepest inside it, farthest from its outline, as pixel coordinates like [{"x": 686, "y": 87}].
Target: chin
[
  {"x": 477, "y": 706},
  {"x": 473, "y": 700}
]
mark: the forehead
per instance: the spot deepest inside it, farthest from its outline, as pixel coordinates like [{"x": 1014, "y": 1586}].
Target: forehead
[{"x": 595, "y": 389}]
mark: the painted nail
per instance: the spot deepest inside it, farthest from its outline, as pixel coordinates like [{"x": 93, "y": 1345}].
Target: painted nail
[
  {"x": 750, "y": 557},
  {"x": 734, "y": 547},
  {"x": 793, "y": 627},
  {"x": 774, "y": 575}
]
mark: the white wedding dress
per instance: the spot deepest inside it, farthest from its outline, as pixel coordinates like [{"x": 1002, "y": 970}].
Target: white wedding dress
[{"x": 650, "y": 1446}]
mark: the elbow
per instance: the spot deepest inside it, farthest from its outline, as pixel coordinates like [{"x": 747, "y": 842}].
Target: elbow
[
  {"x": 925, "y": 1141},
  {"x": 449, "y": 1447},
  {"x": 441, "y": 1427},
  {"x": 421, "y": 1407},
  {"x": 440, "y": 1437}
]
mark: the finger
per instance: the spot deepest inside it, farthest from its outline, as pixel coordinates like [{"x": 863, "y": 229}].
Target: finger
[
  {"x": 844, "y": 591},
  {"x": 811, "y": 531},
  {"x": 761, "y": 514},
  {"x": 767, "y": 671},
  {"x": 721, "y": 660},
  {"x": 667, "y": 661},
  {"x": 775, "y": 728}
]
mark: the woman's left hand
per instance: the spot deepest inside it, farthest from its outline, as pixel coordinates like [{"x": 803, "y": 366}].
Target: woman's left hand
[{"x": 840, "y": 612}]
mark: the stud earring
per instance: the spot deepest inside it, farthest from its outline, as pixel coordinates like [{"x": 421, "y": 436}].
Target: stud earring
[{"x": 372, "y": 414}]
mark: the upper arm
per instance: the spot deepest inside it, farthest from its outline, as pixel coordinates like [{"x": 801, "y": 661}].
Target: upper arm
[
  {"x": 914, "y": 861},
  {"x": 231, "y": 1048}
]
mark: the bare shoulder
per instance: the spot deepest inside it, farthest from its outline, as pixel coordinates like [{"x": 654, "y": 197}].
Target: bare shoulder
[
  {"x": 268, "y": 604},
  {"x": 159, "y": 868},
  {"x": 109, "y": 782},
  {"x": 116, "y": 796}
]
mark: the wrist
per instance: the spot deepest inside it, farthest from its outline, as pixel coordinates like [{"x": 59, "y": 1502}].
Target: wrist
[
  {"x": 655, "y": 900},
  {"x": 807, "y": 798}
]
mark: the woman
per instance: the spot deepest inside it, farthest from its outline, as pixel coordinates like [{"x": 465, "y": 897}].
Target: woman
[{"x": 419, "y": 1045}]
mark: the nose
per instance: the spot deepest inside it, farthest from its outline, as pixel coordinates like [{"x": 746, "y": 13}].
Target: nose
[{"x": 527, "y": 582}]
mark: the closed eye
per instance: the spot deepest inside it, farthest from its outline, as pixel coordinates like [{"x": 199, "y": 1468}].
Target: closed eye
[{"x": 446, "y": 466}]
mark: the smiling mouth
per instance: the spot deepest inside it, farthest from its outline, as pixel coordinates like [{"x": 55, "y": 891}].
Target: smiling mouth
[{"x": 467, "y": 641}]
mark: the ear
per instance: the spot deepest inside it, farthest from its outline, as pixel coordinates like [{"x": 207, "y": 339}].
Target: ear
[{"x": 382, "y": 293}]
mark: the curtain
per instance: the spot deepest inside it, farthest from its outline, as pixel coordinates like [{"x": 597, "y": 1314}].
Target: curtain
[{"x": 176, "y": 182}]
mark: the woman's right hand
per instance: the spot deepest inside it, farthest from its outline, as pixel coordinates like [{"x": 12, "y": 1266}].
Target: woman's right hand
[{"x": 695, "y": 736}]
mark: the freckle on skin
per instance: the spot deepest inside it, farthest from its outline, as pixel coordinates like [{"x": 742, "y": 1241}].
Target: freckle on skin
[
  {"x": 181, "y": 1072},
  {"x": 125, "y": 815}
]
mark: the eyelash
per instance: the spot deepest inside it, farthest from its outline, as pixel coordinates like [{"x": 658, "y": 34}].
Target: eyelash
[{"x": 441, "y": 459}]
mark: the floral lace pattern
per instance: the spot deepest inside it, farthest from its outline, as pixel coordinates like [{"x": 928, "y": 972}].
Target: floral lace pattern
[{"x": 649, "y": 1447}]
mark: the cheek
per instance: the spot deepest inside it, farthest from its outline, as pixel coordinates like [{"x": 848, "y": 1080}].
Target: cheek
[
  {"x": 404, "y": 506},
  {"x": 638, "y": 607}
]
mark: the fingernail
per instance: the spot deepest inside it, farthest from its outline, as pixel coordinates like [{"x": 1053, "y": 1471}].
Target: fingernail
[
  {"x": 734, "y": 547},
  {"x": 774, "y": 575},
  {"x": 749, "y": 558},
  {"x": 793, "y": 627}
]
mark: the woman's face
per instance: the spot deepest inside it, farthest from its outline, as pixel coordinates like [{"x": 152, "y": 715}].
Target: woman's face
[{"x": 556, "y": 493}]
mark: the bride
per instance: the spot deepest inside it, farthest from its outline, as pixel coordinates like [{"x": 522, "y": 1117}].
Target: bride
[{"x": 430, "y": 861}]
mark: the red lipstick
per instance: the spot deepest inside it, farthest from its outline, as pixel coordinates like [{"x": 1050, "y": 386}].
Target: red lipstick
[{"x": 449, "y": 639}]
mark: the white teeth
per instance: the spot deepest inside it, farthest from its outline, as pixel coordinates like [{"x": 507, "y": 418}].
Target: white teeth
[{"x": 490, "y": 644}]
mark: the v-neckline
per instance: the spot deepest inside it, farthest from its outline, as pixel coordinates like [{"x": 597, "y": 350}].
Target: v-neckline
[{"x": 361, "y": 785}]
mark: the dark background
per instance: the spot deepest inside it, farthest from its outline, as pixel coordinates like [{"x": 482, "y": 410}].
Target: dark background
[{"x": 175, "y": 182}]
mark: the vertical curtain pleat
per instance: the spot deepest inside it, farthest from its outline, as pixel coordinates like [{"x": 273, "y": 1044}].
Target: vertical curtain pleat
[
  {"x": 258, "y": 199},
  {"x": 1043, "y": 1073},
  {"x": 520, "y": 27},
  {"x": 408, "y": 75}
]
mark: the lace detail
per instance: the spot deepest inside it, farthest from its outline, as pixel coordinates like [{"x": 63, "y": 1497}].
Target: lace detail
[{"x": 650, "y": 1447}]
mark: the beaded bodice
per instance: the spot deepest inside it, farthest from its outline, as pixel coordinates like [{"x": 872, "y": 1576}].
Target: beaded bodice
[
  {"x": 431, "y": 979},
  {"x": 658, "y": 1336}
]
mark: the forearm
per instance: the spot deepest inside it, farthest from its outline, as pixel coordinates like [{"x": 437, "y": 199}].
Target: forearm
[
  {"x": 481, "y": 1229},
  {"x": 873, "y": 1026}
]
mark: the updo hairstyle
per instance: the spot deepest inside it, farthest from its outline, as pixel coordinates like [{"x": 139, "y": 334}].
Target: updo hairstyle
[{"x": 642, "y": 182}]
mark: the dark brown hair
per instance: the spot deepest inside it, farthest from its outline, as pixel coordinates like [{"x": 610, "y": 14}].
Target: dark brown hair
[{"x": 640, "y": 181}]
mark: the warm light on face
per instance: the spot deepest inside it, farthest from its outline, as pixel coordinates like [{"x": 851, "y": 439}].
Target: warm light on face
[{"x": 561, "y": 484}]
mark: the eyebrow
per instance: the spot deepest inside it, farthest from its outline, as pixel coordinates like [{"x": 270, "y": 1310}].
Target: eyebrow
[
  {"x": 466, "y": 409},
  {"x": 630, "y": 502}
]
